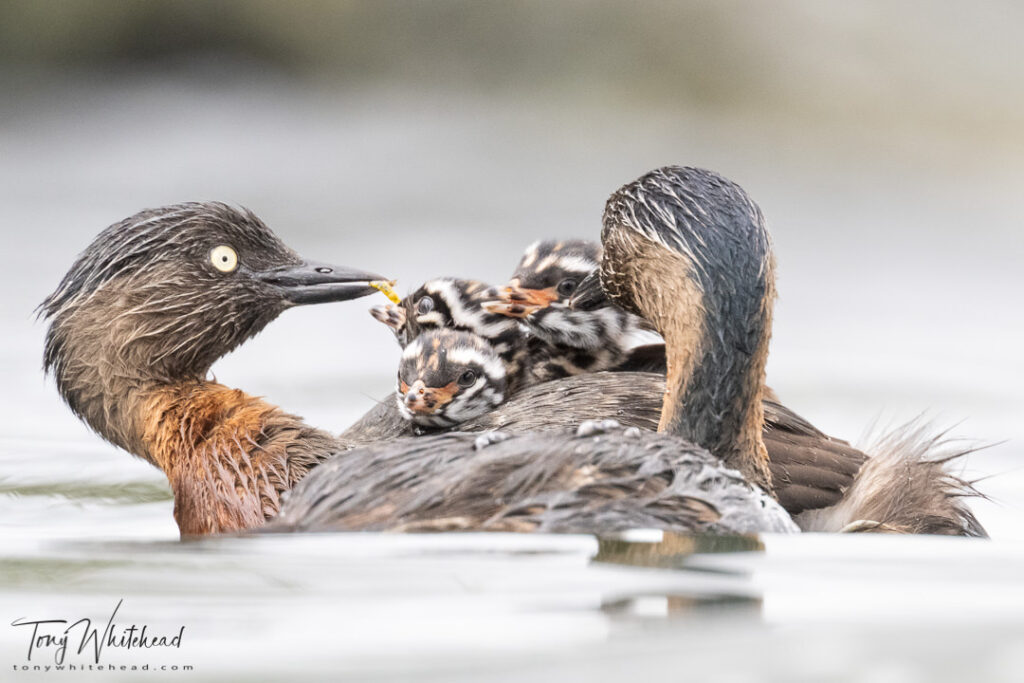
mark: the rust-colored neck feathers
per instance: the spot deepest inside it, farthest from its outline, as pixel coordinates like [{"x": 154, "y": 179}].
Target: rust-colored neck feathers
[{"x": 228, "y": 456}]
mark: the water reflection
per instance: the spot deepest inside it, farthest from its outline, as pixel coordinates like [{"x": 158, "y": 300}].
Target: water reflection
[
  {"x": 674, "y": 551},
  {"x": 647, "y": 608}
]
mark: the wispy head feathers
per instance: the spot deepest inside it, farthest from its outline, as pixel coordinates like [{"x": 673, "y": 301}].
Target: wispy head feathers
[
  {"x": 698, "y": 213},
  {"x": 144, "y": 301}
]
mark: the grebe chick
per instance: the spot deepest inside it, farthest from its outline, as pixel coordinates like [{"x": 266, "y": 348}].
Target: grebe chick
[
  {"x": 539, "y": 293},
  {"x": 447, "y": 377},
  {"x": 541, "y": 286},
  {"x": 450, "y": 302},
  {"x": 546, "y": 276},
  {"x": 706, "y": 471},
  {"x": 458, "y": 304},
  {"x": 134, "y": 327}
]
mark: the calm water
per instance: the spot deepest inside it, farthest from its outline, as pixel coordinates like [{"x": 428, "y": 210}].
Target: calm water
[{"x": 900, "y": 280}]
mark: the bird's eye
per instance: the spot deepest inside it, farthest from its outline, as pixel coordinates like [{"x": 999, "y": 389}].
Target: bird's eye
[
  {"x": 224, "y": 258},
  {"x": 566, "y": 287},
  {"x": 424, "y": 305},
  {"x": 467, "y": 378}
]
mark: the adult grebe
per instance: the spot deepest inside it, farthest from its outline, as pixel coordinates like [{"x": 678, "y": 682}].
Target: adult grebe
[
  {"x": 588, "y": 334},
  {"x": 824, "y": 482},
  {"x": 704, "y": 277},
  {"x": 812, "y": 469},
  {"x": 139, "y": 319}
]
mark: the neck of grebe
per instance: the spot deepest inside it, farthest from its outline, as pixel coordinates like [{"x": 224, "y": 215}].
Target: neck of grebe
[
  {"x": 718, "y": 403},
  {"x": 216, "y": 446},
  {"x": 227, "y": 456},
  {"x": 716, "y": 338}
]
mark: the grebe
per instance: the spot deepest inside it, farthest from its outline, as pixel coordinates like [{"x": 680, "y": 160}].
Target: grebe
[
  {"x": 155, "y": 299},
  {"x": 450, "y": 302},
  {"x": 811, "y": 469},
  {"x": 459, "y": 304},
  {"x": 139, "y": 319},
  {"x": 705, "y": 280},
  {"x": 822, "y": 481},
  {"x": 539, "y": 293},
  {"x": 447, "y": 377}
]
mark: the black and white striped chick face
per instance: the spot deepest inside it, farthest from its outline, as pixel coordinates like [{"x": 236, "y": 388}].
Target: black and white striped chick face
[
  {"x": 447, "y": 377},
  {"x": 547, "y": 277},
  {"x": 550, "y": 271},
  {"x": 449, "y": 303}
]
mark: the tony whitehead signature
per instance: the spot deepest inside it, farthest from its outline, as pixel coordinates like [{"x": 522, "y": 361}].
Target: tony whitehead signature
[{"x": 54, "y": 635}]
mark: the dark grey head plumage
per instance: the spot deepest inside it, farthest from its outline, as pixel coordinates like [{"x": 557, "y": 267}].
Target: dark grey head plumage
[
  {"x": 159, "y": 296},
  {"x": 180, "y": 235},
  {"x": 155, "y": 270},
  {"x": 706, "y": 217}
]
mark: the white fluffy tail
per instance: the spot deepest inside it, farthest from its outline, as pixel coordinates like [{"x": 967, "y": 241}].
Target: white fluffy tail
[{"x": 905, "y": 487}]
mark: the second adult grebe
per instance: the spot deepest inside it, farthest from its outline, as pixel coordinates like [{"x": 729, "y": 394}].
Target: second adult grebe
[{"x": 704, "y": 277}]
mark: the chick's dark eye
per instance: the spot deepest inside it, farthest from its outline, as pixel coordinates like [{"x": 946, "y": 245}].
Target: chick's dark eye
[
  {"x": 424, "y": 305},
  {"x": 467, "y": 378},
  {"x": 566, "y": 287}
]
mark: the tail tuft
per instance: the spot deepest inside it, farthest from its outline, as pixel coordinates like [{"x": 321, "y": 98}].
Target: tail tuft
[{"x": 905, "y": 487}]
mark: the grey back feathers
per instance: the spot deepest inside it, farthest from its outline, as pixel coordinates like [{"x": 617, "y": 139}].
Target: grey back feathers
[
  {"x": 811, "y": 471},
  {"x": 598, "y": 480}
]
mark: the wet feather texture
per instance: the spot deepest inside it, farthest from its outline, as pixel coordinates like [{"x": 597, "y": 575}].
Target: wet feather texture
[
  {"x": 554, "y": 481},
  {"x": 143, "y": 313},
  {"x": 133, "y": 329},
  {"x": 578, "y": 485}
]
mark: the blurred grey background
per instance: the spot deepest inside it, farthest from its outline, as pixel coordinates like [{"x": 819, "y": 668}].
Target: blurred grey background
[{"x": 883, "y": 140}]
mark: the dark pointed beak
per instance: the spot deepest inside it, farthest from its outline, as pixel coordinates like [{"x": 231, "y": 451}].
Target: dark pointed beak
[
  {"x": 589, "y": 294},
  {"x": 317, "y": 283}
]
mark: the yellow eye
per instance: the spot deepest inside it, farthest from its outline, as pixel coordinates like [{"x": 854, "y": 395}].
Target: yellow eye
[{"x": 224, "y": 258}]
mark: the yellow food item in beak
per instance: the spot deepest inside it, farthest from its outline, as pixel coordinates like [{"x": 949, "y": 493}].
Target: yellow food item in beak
[{"x": 386, "y": 287}]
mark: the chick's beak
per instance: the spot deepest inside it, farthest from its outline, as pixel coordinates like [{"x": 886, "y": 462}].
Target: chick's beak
[
  {"x": 423, "y": 400},
  {"x": 310, "y": 282},
  {"x": 516, "y": 302}
]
